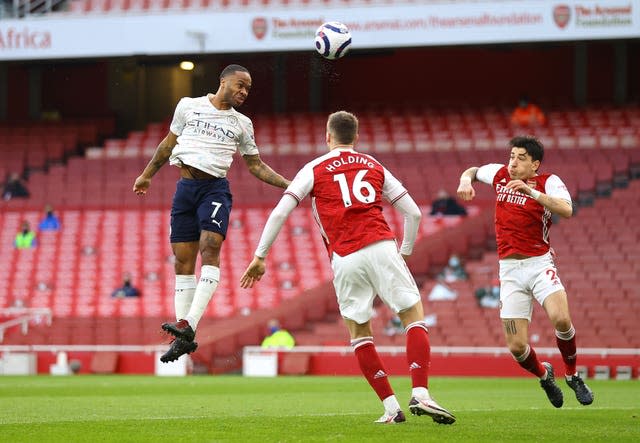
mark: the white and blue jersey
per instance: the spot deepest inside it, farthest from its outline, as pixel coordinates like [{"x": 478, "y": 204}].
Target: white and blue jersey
[
  {"x": 207, "y": 140},
  {"x": 209, "y": 137}
]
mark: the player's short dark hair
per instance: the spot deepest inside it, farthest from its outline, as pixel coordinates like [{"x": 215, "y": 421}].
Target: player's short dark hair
[
  {"x": 532, "y": 145},
  {"x": 343, "y": 126},
  {"x": 231, "y": 69}
]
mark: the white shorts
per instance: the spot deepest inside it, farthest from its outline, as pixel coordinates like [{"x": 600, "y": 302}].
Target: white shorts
[
  {"x": 523, "y": 280},
  {"x": 375, "y": 269}
]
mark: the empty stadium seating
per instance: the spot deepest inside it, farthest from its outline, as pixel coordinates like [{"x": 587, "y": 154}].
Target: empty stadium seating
[
  {"x": 147, "y": 6},
  {"x": 107, "y": 230},
  {"x": 598, "y": 264}
]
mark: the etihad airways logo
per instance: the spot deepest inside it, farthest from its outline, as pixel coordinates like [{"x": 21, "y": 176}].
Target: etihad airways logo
[{"x": 12, "y": 38}]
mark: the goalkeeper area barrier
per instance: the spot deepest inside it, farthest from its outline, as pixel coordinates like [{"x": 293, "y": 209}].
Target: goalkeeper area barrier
[{"x": 455, "y": 361}]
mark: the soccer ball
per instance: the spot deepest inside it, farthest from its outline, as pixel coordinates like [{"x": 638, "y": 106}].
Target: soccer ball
[{"x": 333, "y": 40}]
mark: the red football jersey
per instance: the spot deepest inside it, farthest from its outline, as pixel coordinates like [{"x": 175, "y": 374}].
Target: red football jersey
[
  {"x": 522, "y": 224},
  {"x": 346, "y": 189}
]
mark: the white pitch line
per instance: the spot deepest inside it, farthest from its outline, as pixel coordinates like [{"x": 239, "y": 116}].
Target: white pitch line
[{"x": 281, "y": 415}]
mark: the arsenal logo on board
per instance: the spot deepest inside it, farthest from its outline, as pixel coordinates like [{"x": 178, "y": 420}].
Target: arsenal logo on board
[
  {"x": 259, "y": 26},
  {"x": 561, "y": 15}
]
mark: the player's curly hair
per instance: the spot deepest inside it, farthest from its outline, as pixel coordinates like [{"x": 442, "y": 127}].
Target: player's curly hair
[
  {"x": 343, "y": 126},
  {"x": 231, "y": 69},
  {"x": 531, "y": 144}
]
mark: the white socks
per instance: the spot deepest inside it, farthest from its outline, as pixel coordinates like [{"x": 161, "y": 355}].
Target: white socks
[
  {"x": 391, "y": 404},
  {"x": 185, "y": 288},
  {"x": 420, "y": 393},
  {"x": 209, "y": 278}
]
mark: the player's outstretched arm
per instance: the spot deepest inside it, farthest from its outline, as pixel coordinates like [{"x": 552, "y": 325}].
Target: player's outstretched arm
[
  {"x": 278, "y": 216},
  {"x": 253, "y": 273},
  {"x": 160, "y": 157},
  {"x": 465, "y": 189},
  {"x": 263, "y": 172}
]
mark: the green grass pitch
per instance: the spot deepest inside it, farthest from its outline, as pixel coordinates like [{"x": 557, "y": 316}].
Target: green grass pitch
[{"x": 302, "y": 409}]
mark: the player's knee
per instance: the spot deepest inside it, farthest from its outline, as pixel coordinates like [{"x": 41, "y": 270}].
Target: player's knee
[
  {"x": 183, "y": 266},
  {"x": 412, "y": 315},
  {"x": 563, "y": 323},
  {"x": 210, "y": 245},
  {"x": 210, "y": 256},
  {"x": 517, "y": 347}
]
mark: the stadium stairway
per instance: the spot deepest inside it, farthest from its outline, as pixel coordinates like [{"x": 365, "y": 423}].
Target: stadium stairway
[{"x": 598, "y": 261}]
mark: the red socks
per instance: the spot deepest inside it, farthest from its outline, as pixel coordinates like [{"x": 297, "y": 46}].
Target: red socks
[
  {"x": 529, "y": 361},
  {"x": 418, "y": 354},
  {"x": 567, "y": 345},
  {"x": 372, "y": 367}
]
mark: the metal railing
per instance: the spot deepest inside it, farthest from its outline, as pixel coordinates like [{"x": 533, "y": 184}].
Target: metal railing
[
  {"x": 26, "y": 8},
  {"x": 23, "y": 316}
]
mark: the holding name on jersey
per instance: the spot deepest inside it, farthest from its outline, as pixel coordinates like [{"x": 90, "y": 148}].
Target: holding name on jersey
[{"x": 333, "y": 40}]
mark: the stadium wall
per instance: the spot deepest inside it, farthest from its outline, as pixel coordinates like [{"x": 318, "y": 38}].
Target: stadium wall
[{"x": 443, "y": 363}]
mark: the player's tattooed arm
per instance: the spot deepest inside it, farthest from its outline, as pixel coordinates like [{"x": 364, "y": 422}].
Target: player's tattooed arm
[
  {"x": 469, "y": 174},
  {"x": 465, "y": 188},
  {"x": 556, "y": 205},
  {"x": 263, "y": 172},
  {"x": 160, "y": 157},
  {"x": 162, "y": 154}
]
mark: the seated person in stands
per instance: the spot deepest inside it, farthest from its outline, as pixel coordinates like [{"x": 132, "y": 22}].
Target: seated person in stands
[
  {"x": 50, "y": 222},
  {"x": 445, "y": 204},
  {"x": 127, "y": 289},
  {"x": 454, "y": 270},
  {"x": 14, "y": 188},
  {"x": 394, "y": 326},
  {"x": 527, "y": 114},
  {"x": 442, "y": 291},
  {"x": 278, "y": 337},
  {"x": 489, "y": 296},
  {"x": 26, "y": 238}
]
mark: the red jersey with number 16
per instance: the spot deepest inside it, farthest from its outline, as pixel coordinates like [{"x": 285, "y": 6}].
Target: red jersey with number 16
[
  {"x": 346, "y": 189},
  {"x": 522, "y": 224}
]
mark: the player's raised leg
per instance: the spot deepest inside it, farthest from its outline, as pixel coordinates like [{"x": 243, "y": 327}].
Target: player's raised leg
[
  {"x": 516, "y": 332},
  {"x": 184, "y": 291},
  {"x": 210, "y": 244},
  {"x": 185, "y": 254},
  {"x": 178, "y": 348},
  {"x": 557, "y": 308}
]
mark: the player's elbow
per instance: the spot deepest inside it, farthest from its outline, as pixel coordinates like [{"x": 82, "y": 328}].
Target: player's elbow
[
  {"x": 415, "y": 215},
  {"x": 255, "y": 169},
  {"x": 279, "y": 215},
  {"x": 566, "y": 211}
]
